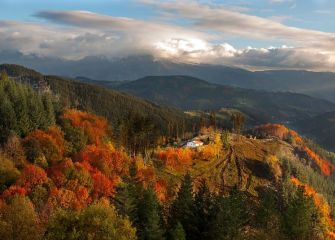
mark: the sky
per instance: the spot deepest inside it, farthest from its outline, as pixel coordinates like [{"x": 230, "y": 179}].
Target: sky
[{"x": 255, "y": 34}]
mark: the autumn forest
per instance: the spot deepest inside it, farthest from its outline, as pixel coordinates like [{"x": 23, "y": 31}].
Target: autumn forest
[{"x": 68, "y": 173}]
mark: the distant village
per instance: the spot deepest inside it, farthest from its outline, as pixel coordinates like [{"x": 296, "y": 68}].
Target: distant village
[{"x": 204, "y": 138}]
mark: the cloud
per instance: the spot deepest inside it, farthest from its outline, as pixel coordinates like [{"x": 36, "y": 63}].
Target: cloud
[
  {"x": 79, "y": 34},
  {"x": 123, "y": 35},
  {"x": 206, "y": 17},
  {"x": 251, "y": 58},
  {"x": 283, "y": 58},
  {"x": 202, "y": 38},
  {"x": 42, "y": 39},
  {"x": 126, "y": 26},
  {"x": 223, "y": 22}
]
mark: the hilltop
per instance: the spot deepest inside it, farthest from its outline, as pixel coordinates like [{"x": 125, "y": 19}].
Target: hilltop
[
  {"x": 259, "y": 161},
  {"x": 190, "y": 93}
]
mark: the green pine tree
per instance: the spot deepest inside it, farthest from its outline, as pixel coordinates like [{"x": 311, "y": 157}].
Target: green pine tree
[
  {"x": 21, "y": 109},
  {"x": 231, "y": 216},
  {"x": 203, "y": 210},
  {"x": 178, "y": 233},
  {"x": 8, "y": 120},
  {"x": 182, "y": 209},
  {"x": 150, "y": 225},
  {"x": 74, "y": 136},
  {"x": 300, "y": 218},
  {"x": 126, "y": 201},
  {"x": 35, "y": 110},
  {"x": 49, "y": 110},
  {"x": 267, "y": 209}
]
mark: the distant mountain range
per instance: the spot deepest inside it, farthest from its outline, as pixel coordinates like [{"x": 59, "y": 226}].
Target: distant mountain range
[
  {"x": 190, "y": 93},
  {"x": 320, "y": 128},
  {"x": 313, "y": 117},
  {"x": 316, "y": 84},
  {"x": 316, "y": 119}
]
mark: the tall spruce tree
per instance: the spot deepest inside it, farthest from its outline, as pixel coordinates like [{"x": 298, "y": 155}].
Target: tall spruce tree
[
  {"x": 8, "y": 120},
  {"x": 22, "y": 109},
  {"x": 127, "y": 200},
  {"x": 300, "y": 219},
  {"x": 267, "y": 210},
  {"x": 49, "y": 110},
  {"x": 178, "y": 233},
  {"x": 182, "y": 209},
  {"x": 231, "y": 216},
  {"x": 150, "y": 225},
  {"x": 203, "y": 210}
]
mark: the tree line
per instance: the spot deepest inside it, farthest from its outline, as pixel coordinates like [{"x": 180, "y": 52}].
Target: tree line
[
  {"x": 23, "y": 110},
  {"x": 202, "y": 214}
]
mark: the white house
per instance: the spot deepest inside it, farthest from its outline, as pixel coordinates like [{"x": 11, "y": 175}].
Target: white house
[{"x": 194, "y": 144}]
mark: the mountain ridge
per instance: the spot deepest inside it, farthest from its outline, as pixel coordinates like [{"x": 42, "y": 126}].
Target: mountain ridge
[
  {"x": 112, "y": 104},
  {"x": 191, "y": 93},
  {"x": 320, "y": 128},
  {"x": 99, "y": 68},
  {"x": 182, "y": 87}
]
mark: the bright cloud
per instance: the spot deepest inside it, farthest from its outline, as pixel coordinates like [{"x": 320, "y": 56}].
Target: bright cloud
[{"x": 202, "y": 37}]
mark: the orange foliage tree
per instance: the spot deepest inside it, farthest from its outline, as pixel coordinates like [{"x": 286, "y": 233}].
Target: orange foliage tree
[
  {"x": 326, "y": 167},
  {"x": 208, "y": 152},
  {"x": 161, "y": 190},
  {"x": 276, "y": 130},
  {"x": 31, "y": 177},
  {"x": 95, "y": 127},
  {"x": 296, "y": 138},
  {"x": 105, "y": 165},
  {"x": 12, "y": 191},
  {"x": 63, "y": 198},
  {"x": 284, "y": 133},
  {"x": 280, "y": 131},
  {"x": 66, "y": 199},
  {"x": 71, "y": 175},
  {"x": 83, "y": 197},
  {"x": 103, "y": 186},
  {"x": 57, "y": 172},
  {"x": 48, "y": 144},
  {"x": 212, "y": 150},
  {"x": 105, "y": 158},
  {"x": 176, "y": 158},
  {"x": 146, "y": 176}
]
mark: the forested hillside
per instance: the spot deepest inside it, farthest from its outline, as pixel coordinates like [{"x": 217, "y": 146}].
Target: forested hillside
[
  {"x": 179, "y": 91},
  {"x": 22, "y": 110},
  {"x": 315, "y": 84},
  {"x": 190, "y": 93},
  {"x": 320, "y": 128},
  {"x": 69, "y": 177},
  {"x": 133, "y": 120}
]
